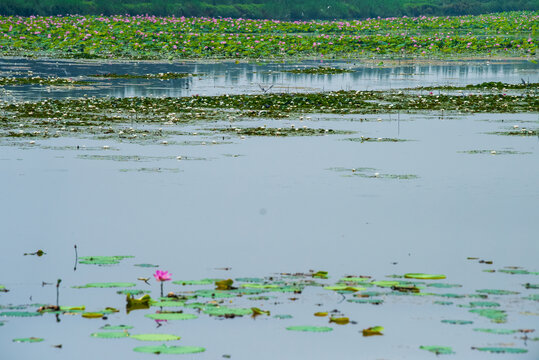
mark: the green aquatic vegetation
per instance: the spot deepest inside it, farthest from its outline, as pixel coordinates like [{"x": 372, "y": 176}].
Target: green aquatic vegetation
[
  {"x": 38, "y": 80},
  {"x": 320, "y": 70},
  {"x": 497, "y": 316},
  {"x": 135, "y": 158},
  {"x": 423, "y": 276},
  {"x": 438, "y": 350},
  {"x": 310, "y": 328},
  {"x": 494, "y": 152},
  {"x": 534, "y": 297},
  {"x": 522, "y": 132},
  {"x": 484, "y": 304},
  {"x": 3, "y": 288},
  {"x": 457, "y": 322},
  {"x": 146, "y": 265},
  {"x": 196, "y": 282},
  {"x": 517, "y": 272},
  {"x": 171, "y": 38},
  {"x": 489, "y": 85},
  {"x": 443, "y": 302},
  {"x": 171, "y": 316},
  {"x": 527, "y": 286},
  {"x": 110, "y": 334},
  {"x": 497, "y": 292},
  {"x": 267, "y": 131},
  {"x": 283, "y": 316},
  {"x": 165, "y": 349},
  {"x": 501, "y": 350},
  {"x": 105, "y": 285},
  {"x": 132, "y": 292},
  {"x": 161, "y": 76},
  {"x": 151, "y": 170},
  {"x": 116, "y": 327},
  {"x": 19, "y": 314},
  {"x": 102, "y": 260},
  {"x": 224, "y": 311},
  {"x": 28, "y": 340},
  {"x": 443, "y": 286},
  {"x": 363, "y": 139},
  {"x": 366, "y": 301},
  {"x": 497, "y": 331},
  {"x": 154, "y": 337},
  {"x": 373, "y": 174}
]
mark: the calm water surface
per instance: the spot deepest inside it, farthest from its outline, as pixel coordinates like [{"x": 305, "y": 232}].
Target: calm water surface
[{"x": 262, "y": 206}]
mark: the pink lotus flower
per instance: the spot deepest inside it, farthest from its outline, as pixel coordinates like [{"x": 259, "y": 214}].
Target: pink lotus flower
[{"x": 162, "y": 275}]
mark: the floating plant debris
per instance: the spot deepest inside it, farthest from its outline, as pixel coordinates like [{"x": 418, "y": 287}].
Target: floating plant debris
[{"x": 375, "y": 330}]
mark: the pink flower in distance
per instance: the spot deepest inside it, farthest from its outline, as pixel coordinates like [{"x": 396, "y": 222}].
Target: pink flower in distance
[{"x": 162, "y": 275}]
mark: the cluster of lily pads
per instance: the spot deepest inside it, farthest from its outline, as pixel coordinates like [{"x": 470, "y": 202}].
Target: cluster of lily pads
[
  {"x": 224, "y": 298},
  {"x": 149, "y": 37}
]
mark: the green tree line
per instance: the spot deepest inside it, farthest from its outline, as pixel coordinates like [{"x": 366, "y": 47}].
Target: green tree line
[{"x": 265, "y": 9}]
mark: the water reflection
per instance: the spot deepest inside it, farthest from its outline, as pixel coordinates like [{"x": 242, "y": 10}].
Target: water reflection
[{"x": 231, "y": 78}]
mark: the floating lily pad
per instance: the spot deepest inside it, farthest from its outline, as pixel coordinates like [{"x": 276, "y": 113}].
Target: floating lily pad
[
  {"x": 102, "y": 260},
  {"x": 442, "y": 285},
  {"x": 155, "y": 337},
  {"x": 344, "y": 288},
  {"x": 146, "y": 265},
  {"x": 443, "y": 302},
  {"x": 453, "y": 296},
  {"x": 496, "y": 292},
  {"x": 171, "y": 316},
  {"x": 531, "y": 286},
  {"x": 457, "y": 322},
  {"x": 438, "y": 350},
  {"x": 250, "y": 280},
  {"x": 116, "y": 327},
  {"x": 28, "y": 340},
  {"x": 497, "y": 331},
  {"x": 424, "y": 276},
  {"x": 19, "y": 313},
  {"x": 502, "y": 350},
  {"x": 216, "y": 294},
  {"x": 367, "y": 301},
  {"x": 498, "y": 316},
  {"x": 226, "y": 311},
  {"x": 167, "y": 303},
  {"x": 484, "y": 304},
  {"x": 132, "y": 292},
  {"x": 164, "y": 349},
  {"x": 283, "y": 316},
  {"x": 385, "y": 283},
  {"x": 310, "y": 328},
  {"x": 534, "y": 297},
  {"x": 110, "y": 334},
  {"x": 195, "y": 282},
  {"x": 105, "y": 285}
]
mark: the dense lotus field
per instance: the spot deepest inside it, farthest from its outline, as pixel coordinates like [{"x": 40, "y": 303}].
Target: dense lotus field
[{"x": 150, "y": 37}]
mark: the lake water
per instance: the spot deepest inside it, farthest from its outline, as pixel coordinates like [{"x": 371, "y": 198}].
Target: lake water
[{"x": 261, "y": 206}]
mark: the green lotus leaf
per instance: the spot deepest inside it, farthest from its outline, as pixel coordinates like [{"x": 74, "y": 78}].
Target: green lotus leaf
[
  {"x": 283, "y": 316},
  {"x": 385, "y": 283},
  {"x": 310, "y": 328},
  {"x": 154, "y": 337},
  {"x": 261, "y": 286},
  {"x": 484, "y": 304},
  {"x": 443, "y": 286},
  {"x": 250, "y": 280},
  {"x": 134, "y": 292},
  {"x": 226, "y": 311},
  {"x": 534, "y": 297},
  {"x": 164, "y": 349},
  {"x": 196, "y": 282},
  {"x": 497, "y": 316},
  {"x": 438, "y": 350},
  {"x": 116, "y": 327},
  {"x": 453, "y": 296},
  {"x": 497, "y": 292},
  {"x": 355, "y": 279},
  {"x": 167, "y": 303},
  {"x": 147, "y": 265},
  {"x": 215, "y": 294},
  {"x": 19, "y": 313},
  {"x": 502, "y": 350},
  {"x": 102, "y": 260},
  {"x": 110, "y": 334},
  {"x": 28, "y": 340},
  {"x": 424, "y": 276},
  {"x": 171, "y": 316},
  {"x": 367, "y": 301},
  {"x": 498, "y": 331},
  {"x": 443, "y": 302},
  {"x": 457, "y": 322},
  {"x": 105, "y": 285}
]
